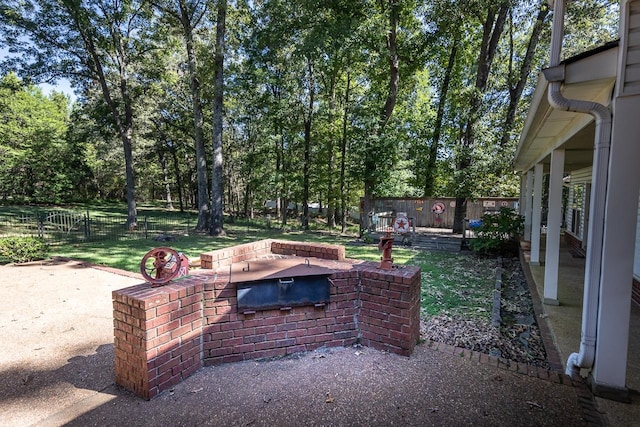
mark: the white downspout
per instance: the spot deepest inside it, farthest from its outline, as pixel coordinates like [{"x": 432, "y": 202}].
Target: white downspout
[{"x": 555, "y": 76}]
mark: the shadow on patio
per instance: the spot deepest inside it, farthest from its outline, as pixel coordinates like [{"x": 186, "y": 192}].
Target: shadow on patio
[{"x": 564, "y": 324}]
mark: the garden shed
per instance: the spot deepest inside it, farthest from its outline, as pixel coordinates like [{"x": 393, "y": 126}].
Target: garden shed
[{"x": 431, "y": 212}]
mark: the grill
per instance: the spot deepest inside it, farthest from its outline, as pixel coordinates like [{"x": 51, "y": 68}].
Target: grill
[{"x": 280, "y": 284}]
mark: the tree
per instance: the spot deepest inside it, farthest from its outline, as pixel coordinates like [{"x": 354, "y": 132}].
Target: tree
[
  {"x": 39, "y": 161},
  {"x": 393, "y": 62},
  {"x": 189, "y": 14},
  {"x": 492, "y": 29},
  {"x": 451, "y": 39},
  {"x": 217, "y": 190},
  {"x": 517, "y": 81},
  {"x": 91, "y": 43}
]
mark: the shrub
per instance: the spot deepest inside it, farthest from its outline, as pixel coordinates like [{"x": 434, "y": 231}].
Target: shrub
[
  {"x": 367, "y": 237},
  {"x": 498, "y": 234},
  {"x": 22, "y": 249}
]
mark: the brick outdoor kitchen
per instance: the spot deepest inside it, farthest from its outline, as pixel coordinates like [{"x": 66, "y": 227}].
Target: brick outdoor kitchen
[{"x": 164, "y": 334}]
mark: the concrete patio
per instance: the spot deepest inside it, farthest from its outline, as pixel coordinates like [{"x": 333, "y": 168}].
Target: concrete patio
[{"x": 564, "y": 323}]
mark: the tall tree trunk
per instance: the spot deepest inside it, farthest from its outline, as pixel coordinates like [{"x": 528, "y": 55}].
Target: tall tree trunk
[
  {"x": 370, "y": 180},
  {"x": 167, "y": 184},
  {"x": 123, "y": 120},
  {"x": 217, "y": 190},
  {"x": 515, "y": 91},
  {"x": 278, "y": 174},
  {"x": 124, "y": 126},
  {"x": 198, "y": 120},
  {"x": 284, "y": 198},
  {"x": 165, "y": 179},
  {"x": 331, "y": 197},
  {"x": 307, "y": 148},
  {"x": 247, "y": 192},
  {"x": 280, "y": 180},
  {"x": 437, "y": 127},
  {"x": 176, "y": 167},
  {"x": 343, "y": 157},
  {"x": 492, "y": 30},
  {"x": 161, "y": 148}
]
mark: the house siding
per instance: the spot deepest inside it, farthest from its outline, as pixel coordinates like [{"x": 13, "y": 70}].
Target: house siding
[
  {"x": 576, "y": 209},
  {"x": 636, "y": 258},
  {"x": 631, "y": 82},
  {"x": 635, "y": 294}
]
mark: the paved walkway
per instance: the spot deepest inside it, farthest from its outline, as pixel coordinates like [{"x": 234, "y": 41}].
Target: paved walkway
[{"x": 57, "y": 369}]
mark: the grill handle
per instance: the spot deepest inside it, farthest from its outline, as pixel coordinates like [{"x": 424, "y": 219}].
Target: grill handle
[{"x": 286, "y": 284}]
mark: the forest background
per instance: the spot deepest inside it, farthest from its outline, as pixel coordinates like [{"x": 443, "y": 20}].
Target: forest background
[{"x": 236, "y": 105}]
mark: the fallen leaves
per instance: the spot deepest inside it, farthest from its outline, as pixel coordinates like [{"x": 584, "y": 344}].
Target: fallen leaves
[{"x": 518, "y": 337}]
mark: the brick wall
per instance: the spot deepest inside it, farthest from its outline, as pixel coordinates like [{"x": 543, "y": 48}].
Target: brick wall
[
  {"x": 164, "y": 334},
  {"x": 229, "y": 336},
  {"x": 317, "y": 250},
  {"x": 224, "y": 257}
]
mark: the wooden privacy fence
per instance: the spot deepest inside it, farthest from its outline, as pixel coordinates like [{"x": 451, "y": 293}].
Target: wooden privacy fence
[
  {"x": 66, "y": 226},
  {"x": 434, "y": 213}
]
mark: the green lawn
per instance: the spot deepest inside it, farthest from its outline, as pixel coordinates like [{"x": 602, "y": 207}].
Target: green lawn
[
  {"x": 126, "y": 254},
  {"x": 452, "y": 283},
  {"x": 456, "y": 284}
]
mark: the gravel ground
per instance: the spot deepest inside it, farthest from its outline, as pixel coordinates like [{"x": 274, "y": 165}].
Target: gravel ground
[
  {"x": 518, "y": 337},
  {"x": 56, "y": 368}
]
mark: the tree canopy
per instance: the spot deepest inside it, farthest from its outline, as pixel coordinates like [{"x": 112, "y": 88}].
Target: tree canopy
[{"x": 309, "y": 104}]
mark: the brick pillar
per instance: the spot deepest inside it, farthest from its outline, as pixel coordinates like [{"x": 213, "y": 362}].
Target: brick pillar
[
  {"x": 390, "y": 308},
  {"x": 157, "y": 334}
]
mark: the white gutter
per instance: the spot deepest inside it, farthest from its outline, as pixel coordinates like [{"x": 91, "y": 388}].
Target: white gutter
[{"x": 555, "y": 75}]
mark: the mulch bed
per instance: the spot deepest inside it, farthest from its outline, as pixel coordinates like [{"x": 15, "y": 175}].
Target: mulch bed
[{"x": 518, "y": 337}]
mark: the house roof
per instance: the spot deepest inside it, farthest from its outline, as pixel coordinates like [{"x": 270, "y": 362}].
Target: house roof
[{"x": 589, "y": 76}]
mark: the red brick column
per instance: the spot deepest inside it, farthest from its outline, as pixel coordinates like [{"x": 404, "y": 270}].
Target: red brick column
[
  {"x": 390, "y": 308},
  {"x": 157, "y": 334}
]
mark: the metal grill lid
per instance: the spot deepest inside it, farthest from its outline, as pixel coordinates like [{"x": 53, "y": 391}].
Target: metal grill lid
[{"x": 265, "y": 269}]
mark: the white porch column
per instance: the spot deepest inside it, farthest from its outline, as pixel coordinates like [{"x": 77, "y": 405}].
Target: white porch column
[
  {"x": 521, "y": 193},
  {"x": 618, "y": 244},
  {"x": 527, "y": 205},
  {"x": 554, "y": 220},
  {"x": 536, "y": 215}
]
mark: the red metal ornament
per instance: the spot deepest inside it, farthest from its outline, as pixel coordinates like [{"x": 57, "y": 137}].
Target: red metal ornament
[{"x": 160, "y": 265}]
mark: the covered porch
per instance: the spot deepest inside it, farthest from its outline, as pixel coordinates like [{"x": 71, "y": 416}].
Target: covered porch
[
  {"x": 583, "y": 117},
  {"x": 564, "y": 323}
]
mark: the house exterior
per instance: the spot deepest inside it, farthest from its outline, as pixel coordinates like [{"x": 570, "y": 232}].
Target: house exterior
[
  {"x": 576, "y": 221},
  {"x": 583, "y": 131}
]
